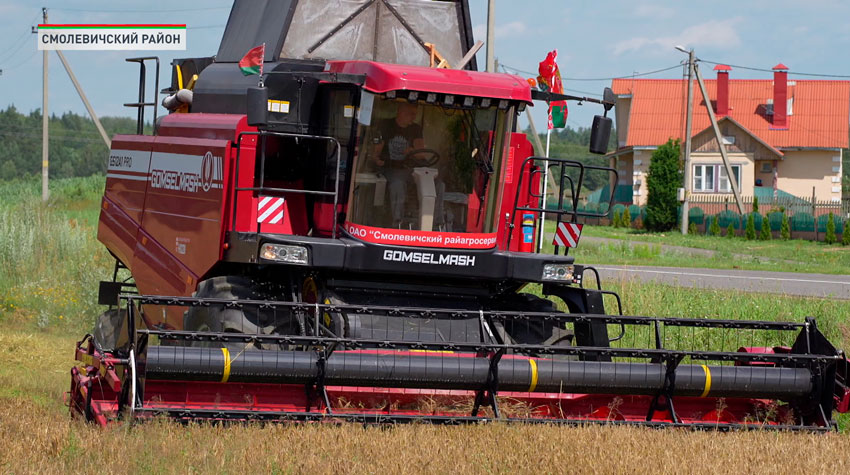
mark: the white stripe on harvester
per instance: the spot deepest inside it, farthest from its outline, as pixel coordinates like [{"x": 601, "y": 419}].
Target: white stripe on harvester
[
  {"x": 277, "y": 218},
  {"x": 263, "y": 202},
  {"x": 271, "y": 209}
]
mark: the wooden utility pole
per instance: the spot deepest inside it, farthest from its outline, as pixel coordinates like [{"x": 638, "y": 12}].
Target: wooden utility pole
[
  {"x": 731, "y": 176},
  {"x": 85, "y": 99},
  {"x": 45, "y": 194},
  {"x": 491, "y": 36},
  {"x": 688, "y": 133}
]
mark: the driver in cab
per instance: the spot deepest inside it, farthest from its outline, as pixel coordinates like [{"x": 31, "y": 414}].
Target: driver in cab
[{"x": 395, "y": 154}]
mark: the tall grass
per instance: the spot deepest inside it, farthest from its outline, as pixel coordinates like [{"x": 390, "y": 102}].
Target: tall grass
[{"x": 50, "y": 260}]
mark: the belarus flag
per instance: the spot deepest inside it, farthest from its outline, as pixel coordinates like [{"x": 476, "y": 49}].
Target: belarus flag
[
  {"x": 550, "y": 76},
  {"x": 252, "y": 62}
]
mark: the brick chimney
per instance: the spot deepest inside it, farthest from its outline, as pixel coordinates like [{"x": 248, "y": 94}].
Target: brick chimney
[
  {"x": 780, "y": 96},
  {"x": 722, "y": 107}
]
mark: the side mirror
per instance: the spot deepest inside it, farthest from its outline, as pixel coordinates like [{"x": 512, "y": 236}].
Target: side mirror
[
  {"x": 258, "y": 106},
  {"x": 600, "y": 134},
  {"x": 609, "y": 99}
]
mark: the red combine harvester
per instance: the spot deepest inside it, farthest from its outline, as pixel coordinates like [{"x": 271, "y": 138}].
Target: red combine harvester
[{"x": 350, "y": 241}]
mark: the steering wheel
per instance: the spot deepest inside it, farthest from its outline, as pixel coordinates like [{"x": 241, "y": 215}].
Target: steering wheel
[{"x": 414, "y": 158}]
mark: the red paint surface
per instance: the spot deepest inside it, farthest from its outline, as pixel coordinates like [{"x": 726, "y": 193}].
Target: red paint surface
[{"x": 381, "y": 77}]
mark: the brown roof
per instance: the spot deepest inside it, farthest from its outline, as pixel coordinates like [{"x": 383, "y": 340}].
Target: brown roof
[{"x": 820, "y": 118}]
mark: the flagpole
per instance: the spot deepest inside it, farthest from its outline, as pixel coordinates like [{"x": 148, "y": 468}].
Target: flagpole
[{"x": 545, "y": 190}]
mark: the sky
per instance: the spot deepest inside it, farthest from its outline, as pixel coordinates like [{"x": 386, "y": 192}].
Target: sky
[{"x": 596, "y": 41}]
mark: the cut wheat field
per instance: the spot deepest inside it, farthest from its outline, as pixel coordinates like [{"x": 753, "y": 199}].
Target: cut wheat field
[{"x": 48, "y": 281}]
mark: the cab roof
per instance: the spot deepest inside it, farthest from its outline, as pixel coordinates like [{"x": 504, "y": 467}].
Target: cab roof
[{"x": 383, "y": 77}]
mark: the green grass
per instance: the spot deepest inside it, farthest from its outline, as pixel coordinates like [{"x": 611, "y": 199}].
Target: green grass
[
  {"x": 50, "y": 261},
  {"x": 735, "y": 253}
]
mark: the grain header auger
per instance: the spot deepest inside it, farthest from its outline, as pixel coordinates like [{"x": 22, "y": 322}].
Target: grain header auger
[{"x": 351, "y": 241}]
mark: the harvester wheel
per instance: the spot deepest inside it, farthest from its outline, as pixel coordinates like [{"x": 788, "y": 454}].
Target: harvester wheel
[
  {"x": 110, "y": 329},
  {"x": 535, "y": 332},
  {"x": 248, "y": 320}
]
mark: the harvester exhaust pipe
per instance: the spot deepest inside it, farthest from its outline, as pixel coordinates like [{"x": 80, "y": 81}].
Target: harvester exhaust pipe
[{"x": 463, "y": 372}]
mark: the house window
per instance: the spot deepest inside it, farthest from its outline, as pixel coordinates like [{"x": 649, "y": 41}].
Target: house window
[
  {"x": 704, "y": 178},
  {"x": 723, "y": 184}
]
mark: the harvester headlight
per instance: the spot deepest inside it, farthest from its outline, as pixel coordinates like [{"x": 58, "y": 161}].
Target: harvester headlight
[
  {"x": 468, "y": 101},
  {"x": 558, "y": 272},
  {"x": 284, "y": 253}
]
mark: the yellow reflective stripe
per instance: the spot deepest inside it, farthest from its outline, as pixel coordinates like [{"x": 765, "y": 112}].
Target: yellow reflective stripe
[
  {"x": 533, "y": 384},
  {"x": 707, "y": 381},
  {"x": 179, "y": 76},
  {"x": 225, "y": 375}
]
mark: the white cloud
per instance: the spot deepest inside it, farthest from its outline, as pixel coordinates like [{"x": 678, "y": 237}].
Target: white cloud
[
  {"x": 718, "y": 34},
  {"x": 654, "y": 11}
]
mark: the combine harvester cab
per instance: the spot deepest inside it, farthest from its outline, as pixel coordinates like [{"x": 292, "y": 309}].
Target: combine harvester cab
[{"x": 354, "y": 239}]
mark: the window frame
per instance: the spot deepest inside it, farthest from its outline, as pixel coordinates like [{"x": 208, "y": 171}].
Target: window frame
[{"x": 711, "y": 180}]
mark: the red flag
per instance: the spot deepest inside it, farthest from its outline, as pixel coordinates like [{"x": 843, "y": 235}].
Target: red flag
[
  {"x": 252, "y": 62},
  {"x": 550, "y": 79}
]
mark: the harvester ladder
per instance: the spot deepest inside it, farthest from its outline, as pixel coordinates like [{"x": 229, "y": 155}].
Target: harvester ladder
[
  {"x": 141, "y": 104},
  {"x": 531, "y": 168}
]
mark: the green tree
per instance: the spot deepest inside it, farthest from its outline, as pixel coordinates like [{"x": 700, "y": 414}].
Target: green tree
[
  {"x": 750, "y": 230},
  {"x": 626, "y": 219},
  {"x": 830, "y": 230},
  {"x": 765, "y": 234},
  {"x": 615, "y": 219},
  {"x": 663, "y": 181},
  {"x": 730, "y": 230},
  {"x": 785, "y": 228},
  {"x": 845, "y": 235},
  {"x": 714, "y": 229},
  {"x": 755, "y": 204}
]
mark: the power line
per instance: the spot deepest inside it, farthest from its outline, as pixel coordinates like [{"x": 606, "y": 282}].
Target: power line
[
  {"x": 750, "y": 68},
  {"x": 23, "y": 62},
  {"x": 624, "y": 76},
  {"x": 19, "y": 41}
]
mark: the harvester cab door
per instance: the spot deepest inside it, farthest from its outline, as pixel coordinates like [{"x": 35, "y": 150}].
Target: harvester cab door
[{"x": 339, "y": 105}]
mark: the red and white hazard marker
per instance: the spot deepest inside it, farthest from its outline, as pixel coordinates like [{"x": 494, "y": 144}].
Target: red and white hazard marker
[
  {"x": 269, "y": 210},
  {"x": 567, "y": 234}
]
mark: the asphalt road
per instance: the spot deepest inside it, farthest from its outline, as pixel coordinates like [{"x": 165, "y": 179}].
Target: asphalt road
[{"x": 788, "y": 283}]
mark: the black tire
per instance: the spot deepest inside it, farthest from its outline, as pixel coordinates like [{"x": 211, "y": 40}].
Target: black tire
[
  {"x": 110, "y": 330},
  {"x": 534, "y": 332},
  {"x": 247, "y": 319}
]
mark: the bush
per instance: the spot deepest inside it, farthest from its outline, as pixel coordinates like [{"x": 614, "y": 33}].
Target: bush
[
  {"x": 692, "y": 228},
  {"x": 830, "y": 230},
  {"x": 785, "y": 229},
  {"x": 615, "y": 218},
  {"x": 802, "y": 221},
  {"x": 626, "y": 219},
  {"x": 663, "y": 181},
  {"x": 750, "y": 230},
  {"x": 714, "y": 229},
  {"x": 755, "y": 204},
  {"x": 765, "y": 230},
  {"x": 730, "y": 231},
  {"x": 845, "y": 236}
]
